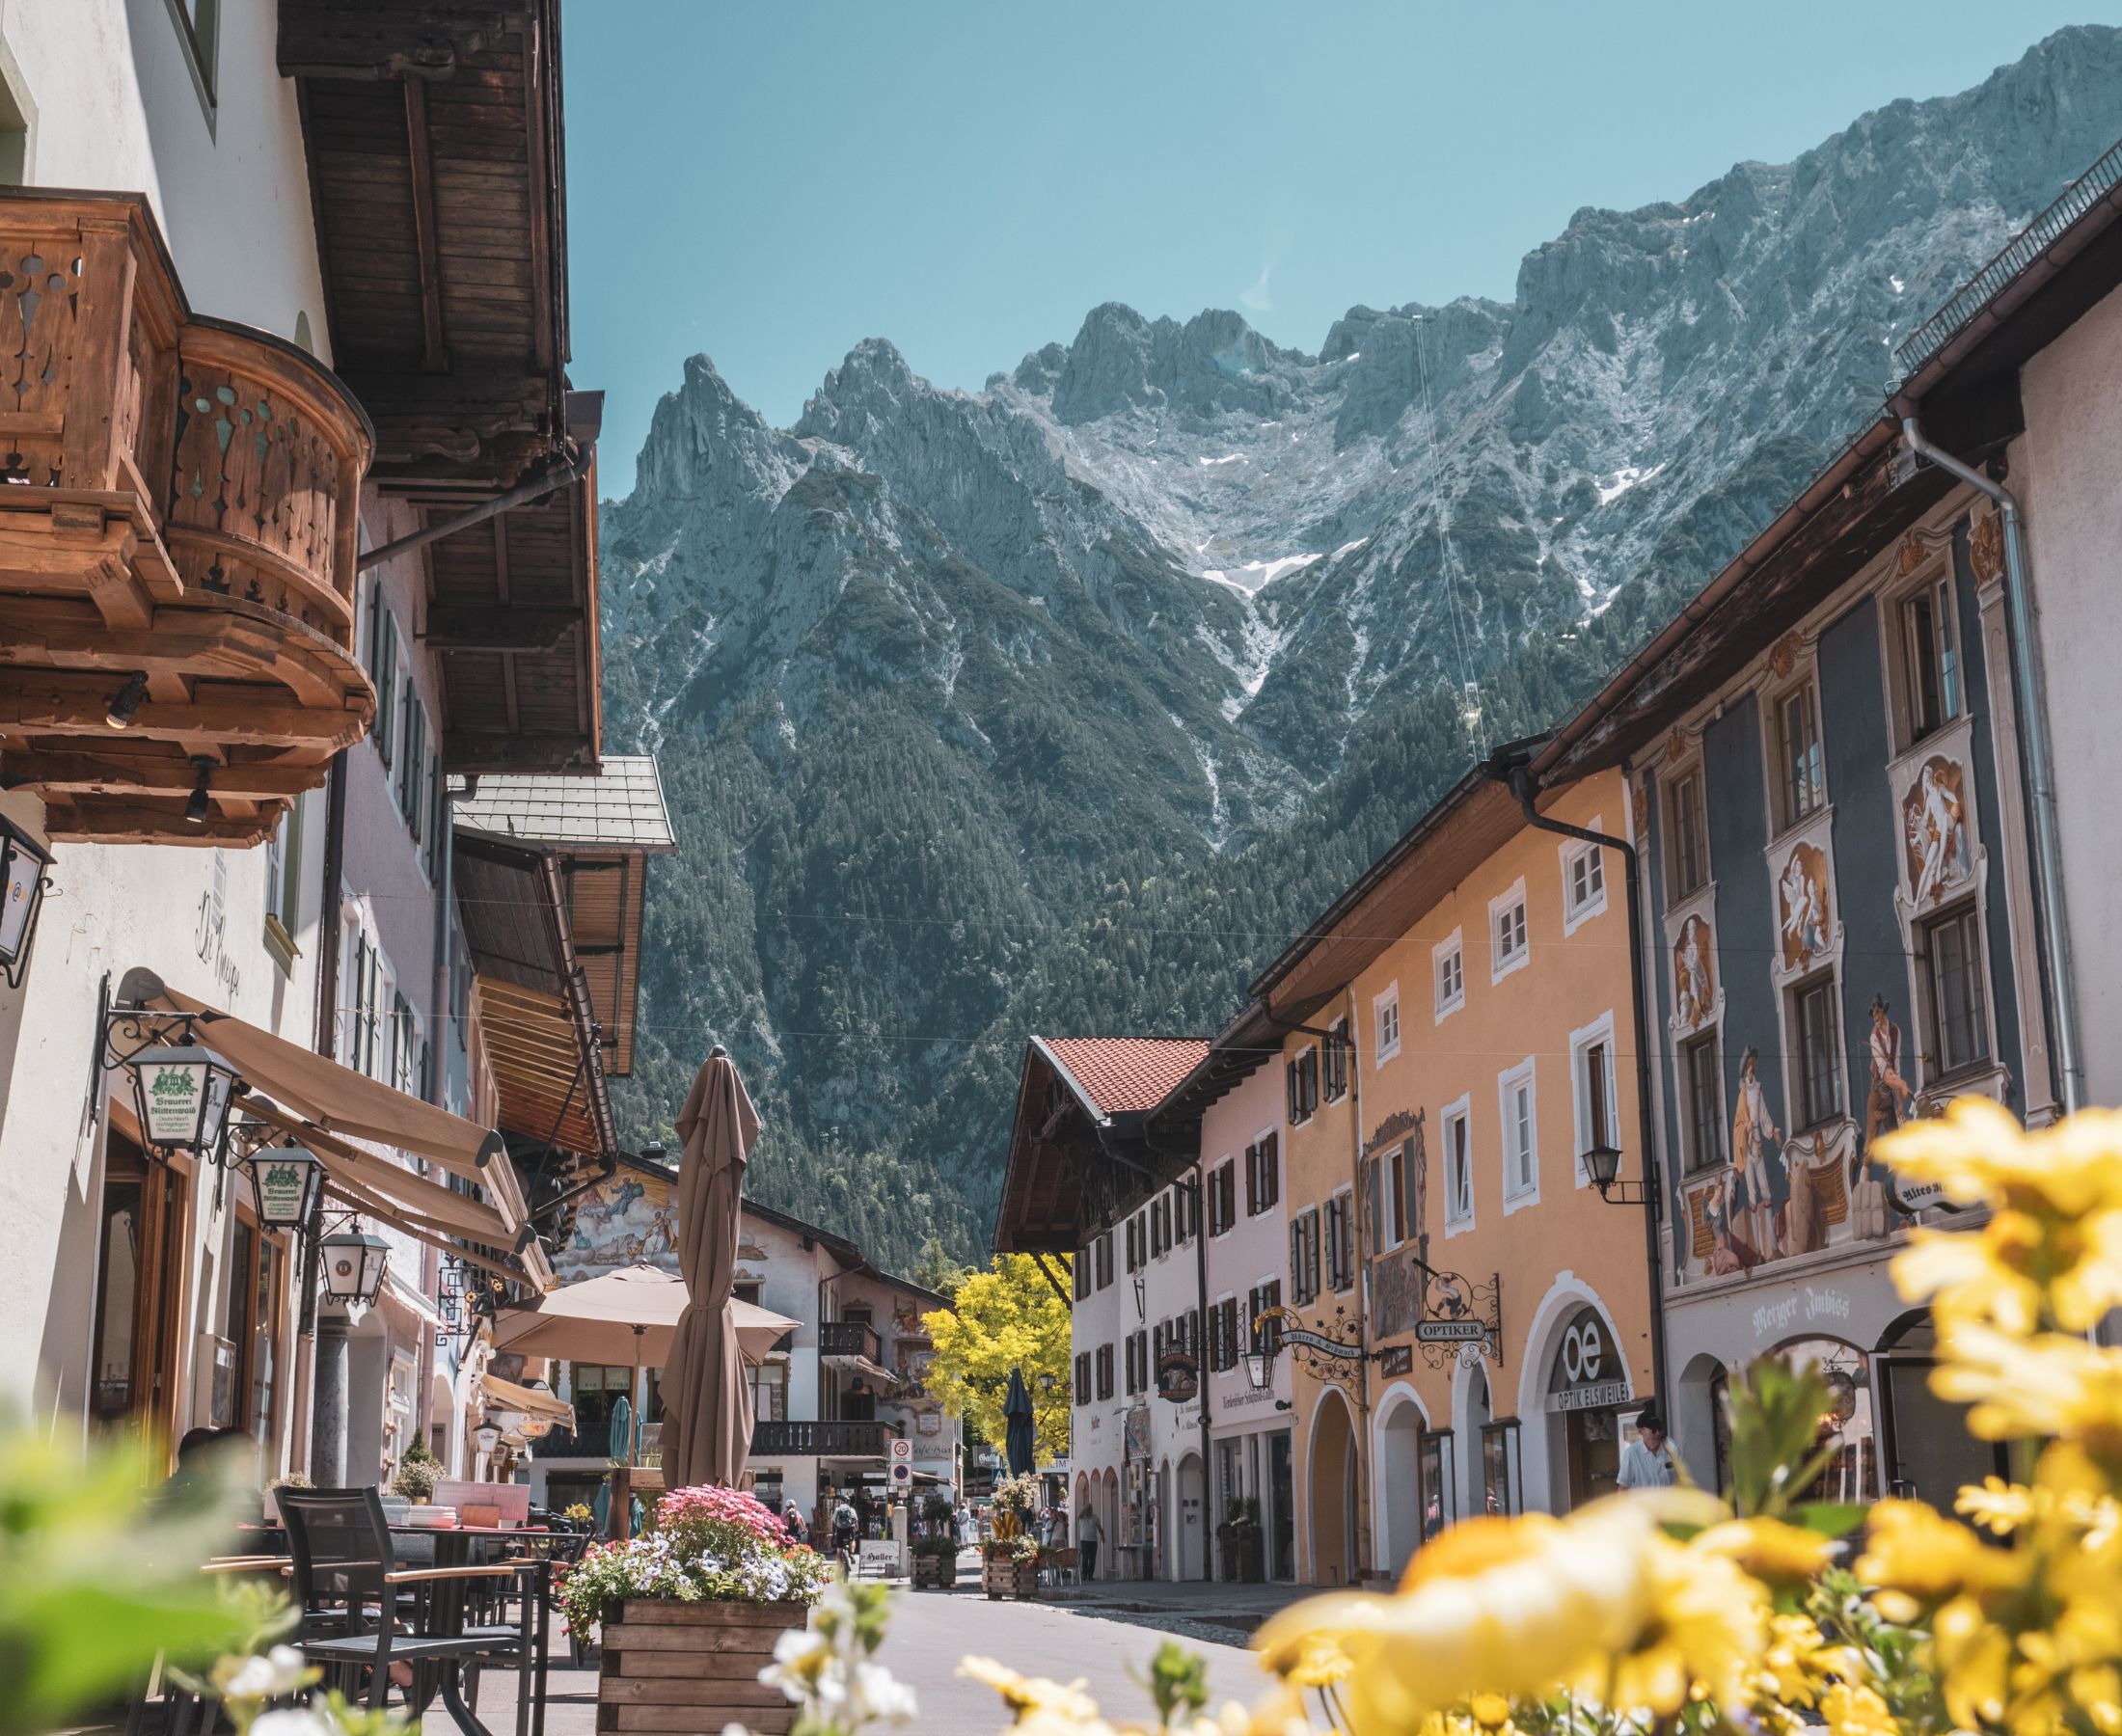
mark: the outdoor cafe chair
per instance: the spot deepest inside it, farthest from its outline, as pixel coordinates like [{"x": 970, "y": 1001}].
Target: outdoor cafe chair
[{"x": 361, "y": 1612}]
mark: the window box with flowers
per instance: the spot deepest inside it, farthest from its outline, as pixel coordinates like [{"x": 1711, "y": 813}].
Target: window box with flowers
[{"x": 714, "y": 1573}]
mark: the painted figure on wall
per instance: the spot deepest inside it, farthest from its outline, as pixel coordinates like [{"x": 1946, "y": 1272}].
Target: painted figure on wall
[
  {"x": 1891, "y": 1098},
  {"x": 1694, "y": 973},
  {"x": 1729, "y": 1250},
  {"x": 1801, "y": 891},
  {"x": 1752, "y": 1130},
  {"x": 1934, "y": 820}
]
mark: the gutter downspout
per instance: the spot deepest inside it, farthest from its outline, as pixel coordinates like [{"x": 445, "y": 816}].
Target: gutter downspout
[
  {"x": 1198, "y": 1187},
  {"x": 1519, "y": 777},
  {"x": 1366, "y": 1465},
  {"x": 2030, "y": 686}
]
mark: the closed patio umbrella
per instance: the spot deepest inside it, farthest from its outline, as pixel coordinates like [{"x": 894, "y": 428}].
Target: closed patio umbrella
[
  {"x": 707, "y": 1399},
  {"x": 1019, "y": 1436}
]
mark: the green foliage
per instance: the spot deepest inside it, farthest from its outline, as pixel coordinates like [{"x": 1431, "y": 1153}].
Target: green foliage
[
  {"x": 1179, "y": 1681},
  {"x": 935, "y": 1270},
  {"x": 97, "y": 1579},
  {"x": 415, "y": 1478}
]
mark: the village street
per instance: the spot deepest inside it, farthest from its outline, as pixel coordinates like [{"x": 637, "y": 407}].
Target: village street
[{"x": 931, "y": 1631}]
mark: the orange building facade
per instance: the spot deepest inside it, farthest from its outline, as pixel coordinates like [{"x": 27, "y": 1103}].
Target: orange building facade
[{"x": 1459, "y": 1034}]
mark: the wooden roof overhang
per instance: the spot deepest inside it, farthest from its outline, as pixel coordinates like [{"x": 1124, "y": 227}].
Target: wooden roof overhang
[
  {"x": 1069, "y": 1166},
  {"x": 1468, "y": 825},
  {"x": 604, "y": 913},
  {"x": 438, "y": 175},
  {"x": 178, "y": 540},
  {"x": 512, "y": 617},
  {"x": 1251, "y": 1040},
  {"x": 533, "y": 1004}
]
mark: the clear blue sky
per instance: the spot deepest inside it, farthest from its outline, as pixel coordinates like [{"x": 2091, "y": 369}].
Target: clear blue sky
[{"x": 772, "y": 180}]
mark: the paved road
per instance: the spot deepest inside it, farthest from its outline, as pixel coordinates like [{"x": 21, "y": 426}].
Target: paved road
[
  {"x": 931, "y": 1629},
  {"x": 930, "y": 1632}
]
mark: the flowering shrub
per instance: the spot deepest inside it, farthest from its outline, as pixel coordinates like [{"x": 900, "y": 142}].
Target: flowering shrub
[
  {"x": 1021, "y": 1547},
  {"x": 703, "y": 1545}
]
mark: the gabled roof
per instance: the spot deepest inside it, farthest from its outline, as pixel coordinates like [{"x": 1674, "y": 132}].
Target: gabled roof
[
  {"x": 618, "y": 805},
  {"x": 1125, "y": 1075}
]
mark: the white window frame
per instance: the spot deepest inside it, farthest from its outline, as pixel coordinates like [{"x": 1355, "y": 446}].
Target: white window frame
[
  {"x": 1515, "y": 1193},
  {"x": 1452, "y": 946},
  {"x": 1500, "y": 968},
  {"x": 1572, "y": 852},
  {"x": 1462, "y": 1112},
  {"x": 1385, "y": 1000},
  {"x": 1599, "y": 1030}
]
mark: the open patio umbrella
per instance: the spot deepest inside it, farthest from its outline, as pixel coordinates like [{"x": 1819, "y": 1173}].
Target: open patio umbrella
[
  {"x": 626, "y": 1317},
  {"x": 1021, "y": 1434},
  {"x": 707, "y": 1401}
]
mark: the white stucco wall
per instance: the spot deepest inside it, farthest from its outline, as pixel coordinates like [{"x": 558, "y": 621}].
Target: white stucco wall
[
  {"x": 113, "y": 106},
  {"x": 2067, "y": 468}
]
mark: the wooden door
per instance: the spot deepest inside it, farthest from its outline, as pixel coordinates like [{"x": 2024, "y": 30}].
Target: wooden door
[{"x": 138, "y": 1321}]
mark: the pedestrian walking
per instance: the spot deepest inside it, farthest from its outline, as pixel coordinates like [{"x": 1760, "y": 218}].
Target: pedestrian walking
[
  {"x": 1647, "y": 1461},
  {"x": 1087, "y": 1533}
]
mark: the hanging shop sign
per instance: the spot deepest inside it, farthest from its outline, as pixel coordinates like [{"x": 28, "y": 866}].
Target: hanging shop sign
[
  {"x": 1912, "y": 1196},
  {"x": 1178, "y": 1377}
]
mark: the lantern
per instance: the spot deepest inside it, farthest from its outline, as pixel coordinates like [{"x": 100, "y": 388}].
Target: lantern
[
  {"x": 180, "y": 1094},
  {"x": 1602, "y": 1163},
  {"x": 353, "y": 1265},
  {"x": 22, "y": 865},
  {"x": 488, "y": 1435},
  {"x": 286, "y": 1180}
]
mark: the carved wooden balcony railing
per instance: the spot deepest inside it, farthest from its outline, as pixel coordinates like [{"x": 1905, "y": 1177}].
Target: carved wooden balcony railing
[
  {"x": 821, "y": 1438},
  {"x": 178, "y": 526}
]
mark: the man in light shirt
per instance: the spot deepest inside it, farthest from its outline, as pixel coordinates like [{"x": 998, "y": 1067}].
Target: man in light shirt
[{"x": 1647, "y": 1461}]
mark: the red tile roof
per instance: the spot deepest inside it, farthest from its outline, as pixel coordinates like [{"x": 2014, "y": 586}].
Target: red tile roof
[{"x": 1126, "y": 1074}]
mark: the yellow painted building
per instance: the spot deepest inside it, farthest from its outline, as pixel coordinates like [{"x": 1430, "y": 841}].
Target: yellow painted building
[{"x": 1458, "y": 1032}]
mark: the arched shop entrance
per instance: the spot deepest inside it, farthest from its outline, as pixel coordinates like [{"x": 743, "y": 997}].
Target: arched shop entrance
[
  {"x": 1191, "y": 1530},
  {"x": 1852, "y": 1473},
  {"x": 1587, "y": 1398},
  {"x": 1332, "y": 1464},
  {"x": 1398, "y": 1498},
  {"x": 1924, "y": 1446}
]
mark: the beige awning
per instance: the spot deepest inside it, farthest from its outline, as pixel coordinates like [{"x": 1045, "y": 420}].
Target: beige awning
[
  {"x": 339, "y": 1114},
  {"x": 624, "y": 1319},
  {"x": 528, "y": 1401}
]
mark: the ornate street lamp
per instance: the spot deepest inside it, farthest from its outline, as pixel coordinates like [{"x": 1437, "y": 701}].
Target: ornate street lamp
[
  {"x": 1602, "y": 1163},
  {"x": 1046, "y": 1381},
  {"x": 286, "y": 1180},
  {"x": 1260, "y": 1360},
  {"x": 488, "y": 1436},
  {"x": 22, "y": 865},
  {"x": 353, "y": 1265},
  {"x": 180, "y": 1094}
]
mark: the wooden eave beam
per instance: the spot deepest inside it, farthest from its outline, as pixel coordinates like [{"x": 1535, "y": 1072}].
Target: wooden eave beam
[
  {"x": 434, "y": 348},
  {"x": 232, "y": 714},
  {"x": 471, "y": 751},
  {"x": 89, "y": 819},
  {"x": 510, "y": 629},
  {"x": 92, "y": 774}
]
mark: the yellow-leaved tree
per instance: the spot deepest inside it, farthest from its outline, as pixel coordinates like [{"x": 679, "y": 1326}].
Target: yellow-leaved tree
[{"x": 1005, "y": 1318}]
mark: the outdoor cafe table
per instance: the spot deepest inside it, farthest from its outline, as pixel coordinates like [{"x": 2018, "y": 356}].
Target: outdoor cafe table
[{"x": 454, "y": 1547}]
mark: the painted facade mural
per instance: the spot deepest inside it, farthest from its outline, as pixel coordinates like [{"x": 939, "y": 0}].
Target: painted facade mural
[
  {"x": 1935, "y": 831},
  {"x": 628, "y": 1219},
  {"x": 1694, "y": 976},
  {"x": 1802, "y": 906}
]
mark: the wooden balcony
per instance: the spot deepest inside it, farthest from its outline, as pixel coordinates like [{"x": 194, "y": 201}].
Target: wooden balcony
[
  {"x": 854, "y": 1341},
  {"x": 821, "y": 1438},
  {"x": 178, "y": 532}
]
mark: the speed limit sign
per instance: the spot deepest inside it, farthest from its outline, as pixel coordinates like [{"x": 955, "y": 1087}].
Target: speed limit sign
[{"x": 902, "y": 1464}]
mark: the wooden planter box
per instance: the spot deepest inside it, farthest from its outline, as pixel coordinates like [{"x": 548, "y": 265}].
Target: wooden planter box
[
  {"x": 934, "y": 1573},
  {"x": 1008, "y": 1579},
  {"x": 687, "y": 1667}
]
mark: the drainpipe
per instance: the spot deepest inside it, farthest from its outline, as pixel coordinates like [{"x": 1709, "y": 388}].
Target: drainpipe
[
  {"x": 2030, "y": 690},
  {"x": 1508, "y": 766},
  {"x": 328, "y": 913},
  {"x": 1365, "y": 1456},
  {"x": 1200, "y": 1191}
]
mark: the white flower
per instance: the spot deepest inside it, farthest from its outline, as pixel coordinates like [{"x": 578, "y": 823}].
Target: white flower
[
  {"x": 280, "y": 1671},
  {"x": 878, "y": 1694},
  {"x": 300, "y": 1721}
]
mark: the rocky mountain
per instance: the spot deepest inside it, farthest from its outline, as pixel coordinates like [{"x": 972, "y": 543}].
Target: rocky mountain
[{"x": 1062, "y": 705}]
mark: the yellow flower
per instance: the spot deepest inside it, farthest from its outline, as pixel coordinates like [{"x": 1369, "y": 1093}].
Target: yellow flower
[
  {"x": 1800, "y": 1665},
  {"x": 1915, "y": 1550},
  {"x": 1067, "y": 1704},
  {"x": 1705, "y": 1627},
  {"x": 2051, "y": 1385},
  {"x": 1779, "y": 1555},
  {"x": 1490, "y": 1711},
  {"x": 1854, "y": 1710},
  {"x": 1321, "y": 1662}
]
